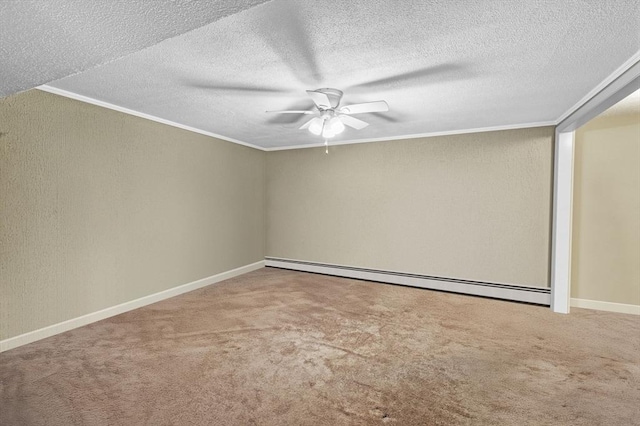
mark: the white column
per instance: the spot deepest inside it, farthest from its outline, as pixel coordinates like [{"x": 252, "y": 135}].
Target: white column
[{"x": 562, "y": 215}]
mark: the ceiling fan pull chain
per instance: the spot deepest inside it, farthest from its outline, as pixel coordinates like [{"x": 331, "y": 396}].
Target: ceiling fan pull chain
[{"x": 326, "y": 146}]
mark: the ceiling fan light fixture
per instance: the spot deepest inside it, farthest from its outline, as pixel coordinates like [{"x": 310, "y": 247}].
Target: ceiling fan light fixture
[
  {"x": 336, "y": 125},
  {"x": 331, "y": 119},
  {"x": 327, "y": 132},
  {"x": 316, "y": 126}
]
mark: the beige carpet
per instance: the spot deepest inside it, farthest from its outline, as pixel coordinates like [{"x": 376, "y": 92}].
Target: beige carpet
[{"x": 277, "y": 347}]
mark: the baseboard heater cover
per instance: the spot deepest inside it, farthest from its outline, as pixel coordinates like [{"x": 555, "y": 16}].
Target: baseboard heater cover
[{"x": 518, "y": 293}]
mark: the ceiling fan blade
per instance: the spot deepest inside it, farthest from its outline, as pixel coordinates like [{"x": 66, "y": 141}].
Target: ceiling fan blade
[
  {"x": 435, "y": 73},
  {"x": 304, "y": 104},
  {"x": 377, "y": 106},
  {"x": 356, "y": 123},
  {"x": 391, "y": 118},
  {"x": 225, "y": 87},
  {"x": 308, "y": 123},
  {"x": 320, "y": 99},
  {"x": 292, "y": 112},
  {"x": 291, "y": 39}
]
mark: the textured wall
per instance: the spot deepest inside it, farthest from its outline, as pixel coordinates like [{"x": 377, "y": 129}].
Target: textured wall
[
  {"x": 99, "y": 208},
  {"x": 473, "y": 206},
  {"x": 606, "y": 211}
]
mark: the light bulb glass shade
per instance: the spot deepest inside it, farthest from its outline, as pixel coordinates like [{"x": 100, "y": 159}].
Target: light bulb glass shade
[
  {"x": 327, "y": 132},
  {"x": 316, "y": 126},
  {"x": 336, "y": 125}
]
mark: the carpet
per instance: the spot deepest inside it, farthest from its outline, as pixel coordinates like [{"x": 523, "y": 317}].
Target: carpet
[{"x": 276, "y": 347}]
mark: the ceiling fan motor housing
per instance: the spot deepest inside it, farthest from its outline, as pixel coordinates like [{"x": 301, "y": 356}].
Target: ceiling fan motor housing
[{"x": 334, "y": 96}]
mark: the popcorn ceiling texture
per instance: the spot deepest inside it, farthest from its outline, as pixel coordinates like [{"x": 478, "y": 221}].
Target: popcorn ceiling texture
[
  {"x": 45, "y": 40},
  {"x": 441, "y": 65}
]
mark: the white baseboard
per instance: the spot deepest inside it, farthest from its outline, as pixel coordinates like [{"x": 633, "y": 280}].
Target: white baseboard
[
  {"x": 537, "y": 295},
  {"x": 32, "y": 336},
  {"x": 622, "y": 308}
]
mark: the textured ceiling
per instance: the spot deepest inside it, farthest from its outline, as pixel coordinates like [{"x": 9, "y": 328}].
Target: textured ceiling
[
  {"x": 441, "y": 65},
  {"x": 44, "y": 40}
]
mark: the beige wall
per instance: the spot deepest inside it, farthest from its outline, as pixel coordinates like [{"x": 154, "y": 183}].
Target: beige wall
[
  {"x": 475, "y": 206},
  {"x": 606, "y": 210},
  {"x": 99, "y": 208}
]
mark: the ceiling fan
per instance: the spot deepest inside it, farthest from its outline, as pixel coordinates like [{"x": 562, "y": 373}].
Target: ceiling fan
[{"x": 331, "y": 118}]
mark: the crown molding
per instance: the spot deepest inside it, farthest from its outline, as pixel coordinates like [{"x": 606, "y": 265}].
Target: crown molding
[
  {"x": 627, "y": 65},
  {"x": 82, "y": 98},
  {"x": 419, "y": 135},
  {"x": 97, "y": 102}
]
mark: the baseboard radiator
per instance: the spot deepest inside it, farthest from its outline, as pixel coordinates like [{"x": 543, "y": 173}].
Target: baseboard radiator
[{"x": 536, "y": 295}]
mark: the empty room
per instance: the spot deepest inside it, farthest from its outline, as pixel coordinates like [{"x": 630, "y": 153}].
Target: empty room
[{"x": 319, "y": 213}]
